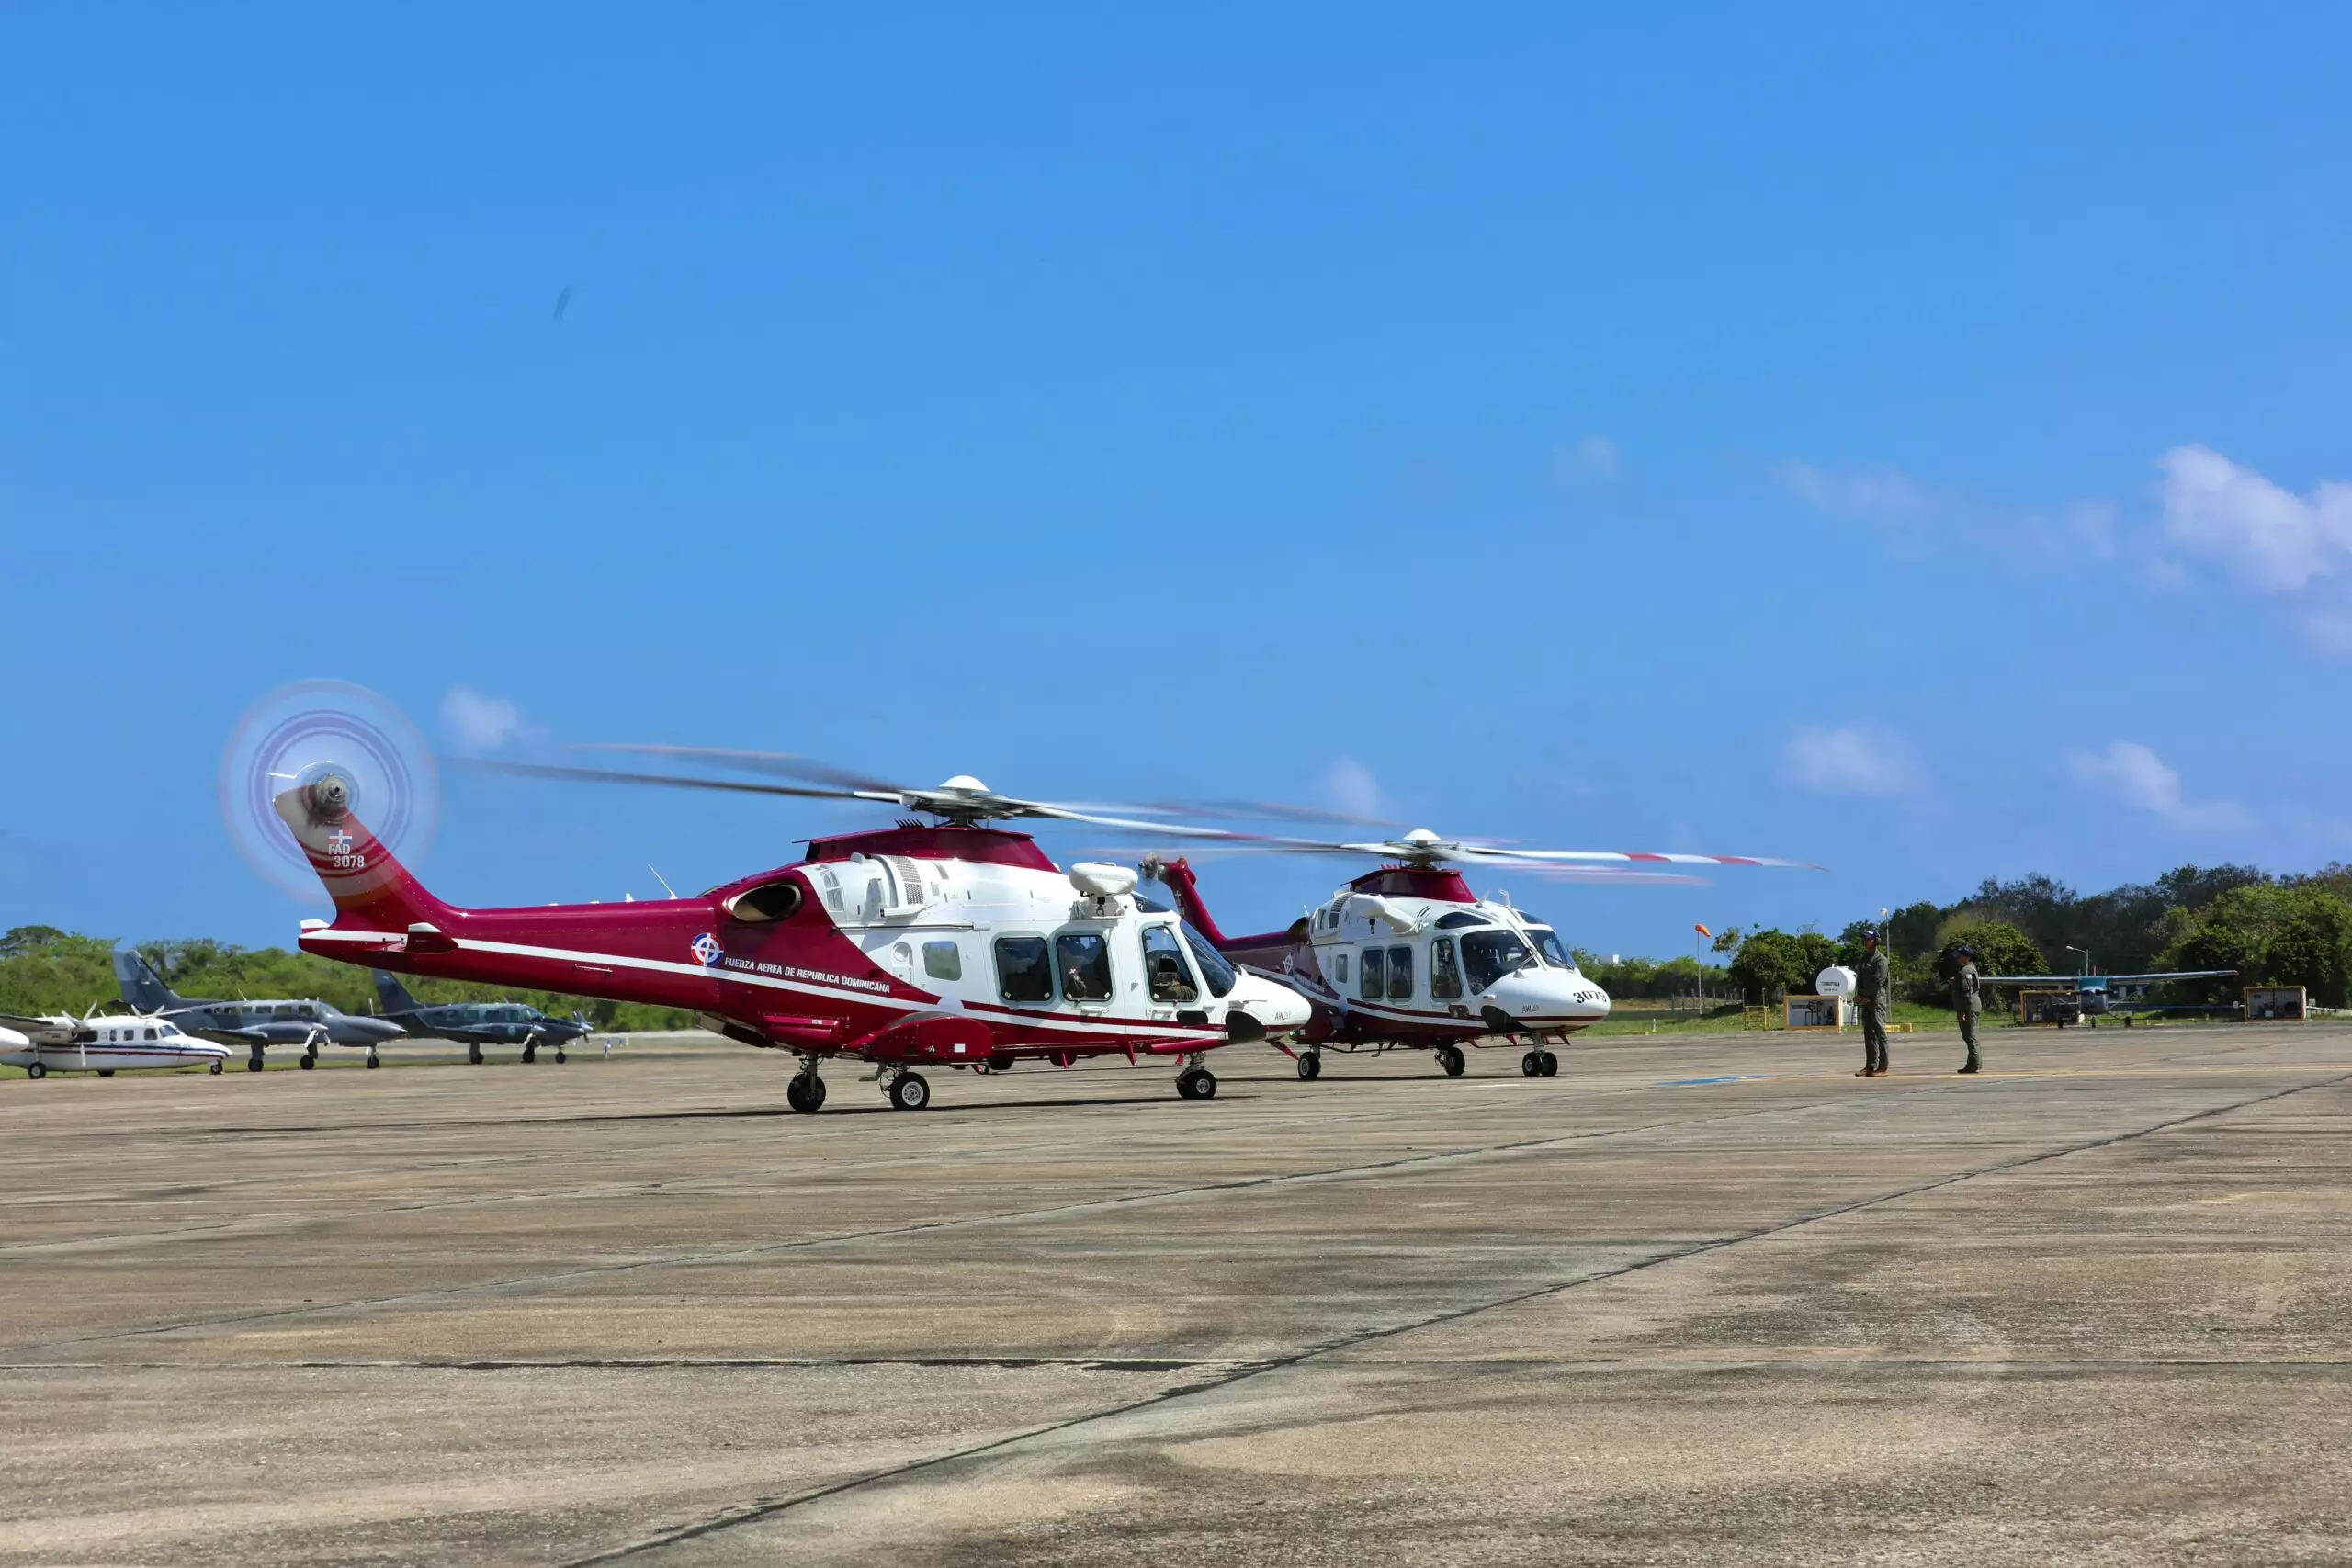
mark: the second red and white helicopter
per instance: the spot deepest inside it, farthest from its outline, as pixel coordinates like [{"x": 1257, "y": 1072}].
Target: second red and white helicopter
[{"x": 1406, "y": 957}]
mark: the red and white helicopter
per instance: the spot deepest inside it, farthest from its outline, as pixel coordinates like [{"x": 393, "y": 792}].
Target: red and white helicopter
[
  {"x": 1406, "y": 956},
  {"x": 948, "y": 945}
]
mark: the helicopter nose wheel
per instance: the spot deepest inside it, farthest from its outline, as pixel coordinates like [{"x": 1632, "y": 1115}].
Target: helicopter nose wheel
[
  {"x": 1540, "y": 1064},
  {"x": 806, "y": 1092},
  {"x": 1451, "y": 1058},
  {"x": 1310, "y": 1065},
  {"x": 907, "y": 1091}
]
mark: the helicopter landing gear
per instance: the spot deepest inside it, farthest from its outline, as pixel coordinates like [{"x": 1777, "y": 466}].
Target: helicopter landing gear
[
  {"x": 907, "y": 1091},
  {"x": 1540, "y": 1064},
  {"x": 1196, "y": 1083},
  {"x": 806, "y": 1092},
  {"x": 1451, "y": 1058},
  {"x": 1310, "y": 1065},
  {"x": 473, "y": 1053}
]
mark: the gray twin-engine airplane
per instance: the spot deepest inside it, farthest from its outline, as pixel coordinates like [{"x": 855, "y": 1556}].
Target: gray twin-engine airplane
[
  {"x": 254, "y": 1025},
  {"x": 476, "y": 1024}
]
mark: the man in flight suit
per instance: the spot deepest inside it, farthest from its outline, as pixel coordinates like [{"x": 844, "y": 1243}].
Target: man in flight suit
[
  {"x": 1869, "y": 997},
  {"x": 1965, "y": 1002}
]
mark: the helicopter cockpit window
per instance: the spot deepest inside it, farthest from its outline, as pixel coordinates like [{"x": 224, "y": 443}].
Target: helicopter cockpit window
[
  {"x": 1460, "y": 918},
  {"x": 1445, "y": 973},
  {"x": 1164, "y": 966},
  {"x": 770, "y": 901},
  {"x": 1083, "y": 959},
  {"x": 1023, "y": 971},
  {"x": 1547, "y": 942},
  {"x": 942, "y": 961},
  {"x": 1219, "y": 974},
  {"x": 1490, "y": 955},
  {"x": 1376, "y": 985}
]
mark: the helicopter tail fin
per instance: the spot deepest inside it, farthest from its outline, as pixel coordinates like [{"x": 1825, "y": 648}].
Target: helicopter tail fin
[{"x": 370, "y": 888}]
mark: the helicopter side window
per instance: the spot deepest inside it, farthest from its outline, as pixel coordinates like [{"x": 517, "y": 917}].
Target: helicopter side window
[
  {"x": 1339, "y": 968},
  {"x": 1024, "y": 973},
  {"x": 1490, "y": 955},
  {"x": 1445, "y": 975},
  {"x": 1083, "y": 960},
  {"x": 1376, "y": 985},
  {"x": 1164, "y": 966},
  {"x": 942, "y": 961},
  {"x": 1400, "y": 974}
]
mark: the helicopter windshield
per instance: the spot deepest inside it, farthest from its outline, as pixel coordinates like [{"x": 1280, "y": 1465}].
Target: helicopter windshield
[
  {"x": 1214, "y": 967},
  {"x": 1490, "y": 955},
  {"x": 1547, "y": 942}
]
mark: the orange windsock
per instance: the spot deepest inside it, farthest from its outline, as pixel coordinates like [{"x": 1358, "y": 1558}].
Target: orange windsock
[{"x": 1703, "y": 931}]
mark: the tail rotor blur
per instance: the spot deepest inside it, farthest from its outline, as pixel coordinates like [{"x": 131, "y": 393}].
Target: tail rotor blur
[{"x": 350, "y": 752}]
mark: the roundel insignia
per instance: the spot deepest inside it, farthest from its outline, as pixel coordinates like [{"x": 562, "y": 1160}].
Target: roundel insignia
[{"x": 706, "y": 953}]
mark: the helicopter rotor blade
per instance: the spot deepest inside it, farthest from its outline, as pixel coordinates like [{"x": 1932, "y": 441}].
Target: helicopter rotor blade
[
  {"x": 671, "y": 780},
  {"x": 781, "y": 764}
]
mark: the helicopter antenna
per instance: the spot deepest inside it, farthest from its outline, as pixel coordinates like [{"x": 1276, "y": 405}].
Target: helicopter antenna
[{"x": 657, "y": 877}]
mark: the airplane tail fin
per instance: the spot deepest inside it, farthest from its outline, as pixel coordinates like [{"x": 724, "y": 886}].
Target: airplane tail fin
[
  {"x": 392, "y": 995},
  {"x": 371, "y": 890},
  {"x": 141, "y": 987}
]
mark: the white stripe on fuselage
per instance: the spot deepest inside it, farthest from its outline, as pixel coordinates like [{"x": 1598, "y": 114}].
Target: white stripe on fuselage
[{"x": 801, "y": 987}]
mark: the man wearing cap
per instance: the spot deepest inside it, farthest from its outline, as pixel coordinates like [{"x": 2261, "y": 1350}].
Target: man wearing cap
[
  {"x": 1869, "y": 998},
  {"x": 1965, "y": 1002}
]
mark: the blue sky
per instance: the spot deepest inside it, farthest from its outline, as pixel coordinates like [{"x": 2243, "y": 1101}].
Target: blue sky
[{"x": 1898, "y": 438}]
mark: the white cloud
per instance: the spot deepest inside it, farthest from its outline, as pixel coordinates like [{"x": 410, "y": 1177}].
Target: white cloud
[
  {"x": 1897, "y": 504},
  {"x": 2267, "y": 537},
  {"x": 477, "y": 722},
  {"x": 1852, "y": 759},
  {"x": 2135, "y": 775},
  {"x": 1349, "y": 784},
  {"x": 1592, "y": 459}
]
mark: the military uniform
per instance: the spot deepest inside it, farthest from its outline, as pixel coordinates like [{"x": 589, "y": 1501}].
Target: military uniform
[
  {"x": 1870, "y": 986},
  {"x": 1967, "y": 1003}
]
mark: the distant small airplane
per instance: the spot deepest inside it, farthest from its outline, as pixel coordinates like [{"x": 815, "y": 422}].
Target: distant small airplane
[
  {"x": 478, "y": 1025},
  {"x": 256, "y": 1025},
  {"x": 103, "y": 1045},
  {"x": 2108, "y": 996}
]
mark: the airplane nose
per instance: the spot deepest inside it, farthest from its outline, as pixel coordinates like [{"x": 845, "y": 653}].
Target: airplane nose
[{"x": 378, "y": 1028}]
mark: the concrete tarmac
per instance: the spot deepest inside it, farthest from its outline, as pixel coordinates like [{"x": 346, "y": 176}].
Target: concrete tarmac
[{"x": 1698, "y": 1299}]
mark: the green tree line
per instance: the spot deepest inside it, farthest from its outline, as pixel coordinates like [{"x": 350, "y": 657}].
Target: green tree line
[
  {"x": 2286, "y": 931},
  {"x": 44, "y": 970}
]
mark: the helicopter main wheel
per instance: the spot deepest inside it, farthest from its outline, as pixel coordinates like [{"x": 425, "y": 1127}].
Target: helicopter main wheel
[
  {"x": 910, "y": 1092},
  {"x": 306, "y": 1061},
  {"x": 806, "y": 1094},
  {"x": 1310, "y": 1065},
  {"x": 1531, "y": 1064},
  {"x": 37, "y": 1070},
  {"x": 215, "y": 1069},
  {"x": 1196, "y": 1083},
  {"x": 1451, "y": 1058},
  {"x": 1551, "y": 1065},
  {"x": 473, "y": 1053}
]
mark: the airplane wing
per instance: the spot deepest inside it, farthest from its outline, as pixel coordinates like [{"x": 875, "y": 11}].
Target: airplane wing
[
  {"x": 2072, "y": 980},
  {"x": 47, "y": 1031},
  {"x": 2177, "y": 975}
]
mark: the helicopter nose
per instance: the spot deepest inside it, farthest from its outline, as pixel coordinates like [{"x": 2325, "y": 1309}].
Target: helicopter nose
[
  {"x": 1277, "y": 1007},
  {"x": 1549, "y": 999}
]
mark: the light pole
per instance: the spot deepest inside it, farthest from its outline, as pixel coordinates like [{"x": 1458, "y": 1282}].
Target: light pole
[{"x": 2086, "y": 957}]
